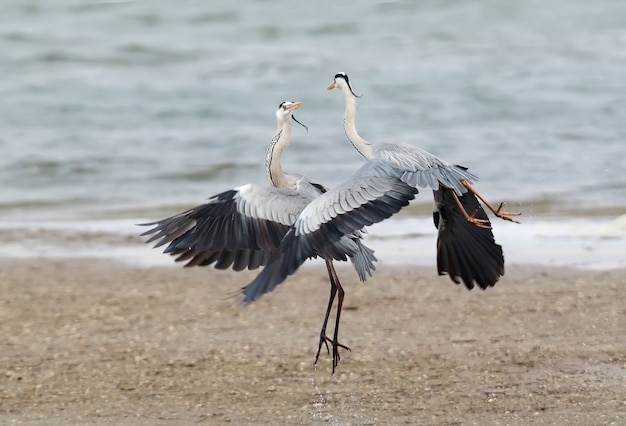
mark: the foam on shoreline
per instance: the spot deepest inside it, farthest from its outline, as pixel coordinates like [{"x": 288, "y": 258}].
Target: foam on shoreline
[{"x": 595, "y": 243}]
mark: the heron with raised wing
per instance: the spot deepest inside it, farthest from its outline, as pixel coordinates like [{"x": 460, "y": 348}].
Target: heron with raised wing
[
  {"x": 466, "y": 248},
  {"x": 242, "y": 227}
]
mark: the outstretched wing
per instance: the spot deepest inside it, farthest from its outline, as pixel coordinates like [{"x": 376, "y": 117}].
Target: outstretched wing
[
  {"x": 239, "y": 227},
  {"x": 465, "y": 251},
  {"x": 423, "y": 169},
  {"x": 372, "y": 194}
]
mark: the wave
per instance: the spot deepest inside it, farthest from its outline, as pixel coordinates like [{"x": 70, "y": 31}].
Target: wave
[
  {"x": 582, "y": 228},
  {"x": 218, "y": 171}
]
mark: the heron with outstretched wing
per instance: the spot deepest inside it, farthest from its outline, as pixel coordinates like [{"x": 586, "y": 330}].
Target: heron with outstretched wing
[
  {"x": 466, "y": 248},
  {"x": 242, "y": 227}
]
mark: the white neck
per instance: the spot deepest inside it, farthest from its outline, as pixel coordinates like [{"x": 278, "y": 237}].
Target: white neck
[
  {"x": 349, "y": 125},
  {"x": 273, "y": 167}
]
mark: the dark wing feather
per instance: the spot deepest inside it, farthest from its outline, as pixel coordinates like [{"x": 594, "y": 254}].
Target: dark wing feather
[
  {"x": 238, "y": 228},
  {"x": 464, "y": 251}
]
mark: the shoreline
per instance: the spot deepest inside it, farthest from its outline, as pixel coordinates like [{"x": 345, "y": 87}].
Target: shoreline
[
  {"x": 403, "y": 241},
  {"x": 92, "y": 342}
]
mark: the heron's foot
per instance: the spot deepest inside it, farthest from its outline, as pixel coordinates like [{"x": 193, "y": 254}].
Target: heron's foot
[
  {"x": 479, "y": 223},
  {"x": 324, "y": 340},
  {"x": 336, "y": 356},
  {"x": 506, "y": 215}
]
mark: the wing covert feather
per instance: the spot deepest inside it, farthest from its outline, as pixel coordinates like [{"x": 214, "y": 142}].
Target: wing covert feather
[{"x": 421, "y": 168}]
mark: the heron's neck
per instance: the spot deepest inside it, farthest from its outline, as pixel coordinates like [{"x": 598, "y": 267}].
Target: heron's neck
[
  {"x": 273, "y": 167},
  {"x": 349, "y": 124}
]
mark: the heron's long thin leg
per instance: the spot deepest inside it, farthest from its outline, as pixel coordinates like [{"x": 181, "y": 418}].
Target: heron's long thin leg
[
  {"x": 498, "y": 212},
  {"x": 331, "y": 299},
  {"x": 335, "y": 343},
  {"x": 480, "y": 223},
  {"x": 335, "y": 287}
]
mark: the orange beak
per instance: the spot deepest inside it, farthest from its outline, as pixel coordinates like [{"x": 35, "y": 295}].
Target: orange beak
[
  {"x": 295, "y": 106},
  {"x": 331, "y": 86}
]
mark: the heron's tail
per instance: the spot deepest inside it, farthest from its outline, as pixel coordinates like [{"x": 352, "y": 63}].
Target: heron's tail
[{"x": 363, "y": 260}]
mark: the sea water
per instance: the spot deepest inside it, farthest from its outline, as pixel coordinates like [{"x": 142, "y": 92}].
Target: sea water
[{"x": 117, "y": 112}]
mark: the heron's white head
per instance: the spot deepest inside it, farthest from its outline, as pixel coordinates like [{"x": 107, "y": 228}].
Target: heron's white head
[
  {"x": 285, "y": 112},
  {"x": 342, "y": 82}
]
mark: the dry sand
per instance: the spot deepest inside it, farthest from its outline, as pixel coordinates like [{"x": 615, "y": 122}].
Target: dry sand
[{"x": 103, "y": 343}]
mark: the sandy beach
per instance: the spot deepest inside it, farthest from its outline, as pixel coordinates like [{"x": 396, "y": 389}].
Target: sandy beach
[{"x": 97, "y": 342}]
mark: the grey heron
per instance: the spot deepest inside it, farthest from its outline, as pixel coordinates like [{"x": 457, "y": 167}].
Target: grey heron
[
  {"x": 242, "y": 227},
  {"x": 465, "y": 246}
]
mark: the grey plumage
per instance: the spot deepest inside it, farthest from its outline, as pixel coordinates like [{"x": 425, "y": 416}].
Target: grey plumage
[
  {"x": 421, "y": 168},
  {"x": 237, "y": 228},
  {"x": 321, "y": 229}
]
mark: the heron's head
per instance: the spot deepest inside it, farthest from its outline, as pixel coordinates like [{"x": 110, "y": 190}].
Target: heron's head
[
  {"x": 285, "y": 112},
  {"x": 342, "y": 82}
]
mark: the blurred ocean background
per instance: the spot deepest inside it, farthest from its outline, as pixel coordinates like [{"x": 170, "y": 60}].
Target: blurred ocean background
[{"x": 119, "y": 112}]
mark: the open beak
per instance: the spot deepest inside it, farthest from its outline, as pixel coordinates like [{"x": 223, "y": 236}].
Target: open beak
[{"x": 331, "y": 86}]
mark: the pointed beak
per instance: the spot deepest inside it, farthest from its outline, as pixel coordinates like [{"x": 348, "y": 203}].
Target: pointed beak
[
  {"x": 331, "y": 86},
  {"x": 295, "y": 106}
]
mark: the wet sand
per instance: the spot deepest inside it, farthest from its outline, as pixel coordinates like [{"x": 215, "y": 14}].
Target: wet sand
[{"x": 95, "y": 342}]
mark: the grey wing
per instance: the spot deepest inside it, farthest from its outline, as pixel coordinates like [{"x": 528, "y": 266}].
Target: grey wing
[
  {"x": 237, "y": 228},
  {"x": 423, "y": 169},
  {"x": 364, "y": 258},
  {"x": 465, "y": 251},
  {"x": 372, "y": 194}
]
